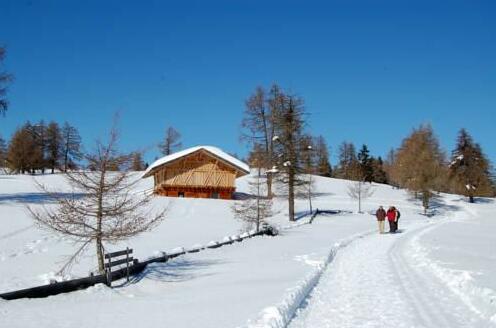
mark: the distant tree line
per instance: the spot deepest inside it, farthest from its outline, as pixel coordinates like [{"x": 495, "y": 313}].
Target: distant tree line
[
  {"x": 421, "y": 166},
  {"x": 35, "y": 148}
]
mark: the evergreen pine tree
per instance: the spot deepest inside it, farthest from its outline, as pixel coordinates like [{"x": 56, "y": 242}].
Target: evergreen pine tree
[
  {"x": 365, "y": 163},
  {"x": 379, "y": 175},
  {"x": 469, "y": 170}
]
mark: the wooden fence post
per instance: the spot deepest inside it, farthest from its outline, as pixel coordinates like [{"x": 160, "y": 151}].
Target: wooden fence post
[{"x": 127, "y": 264}]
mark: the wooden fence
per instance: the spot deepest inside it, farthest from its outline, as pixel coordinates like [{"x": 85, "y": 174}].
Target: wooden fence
[{"x": 131, "y": 269}]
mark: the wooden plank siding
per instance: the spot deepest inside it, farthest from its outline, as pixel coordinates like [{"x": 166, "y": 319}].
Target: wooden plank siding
[{"x": 198, "y": 175}]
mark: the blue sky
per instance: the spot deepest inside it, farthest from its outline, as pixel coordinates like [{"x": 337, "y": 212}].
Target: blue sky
[{"x": 369, "y": 71}]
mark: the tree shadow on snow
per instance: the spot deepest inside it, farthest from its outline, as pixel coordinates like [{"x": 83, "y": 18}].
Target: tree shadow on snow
[
  {"x": 176, "y": 270},
  {"x": 36, "y": 197},
  {"x": 437, "y": 206}
]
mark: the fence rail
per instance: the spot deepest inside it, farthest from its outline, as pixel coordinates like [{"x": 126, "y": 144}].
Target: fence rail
[{"x": 134, "y": 267}]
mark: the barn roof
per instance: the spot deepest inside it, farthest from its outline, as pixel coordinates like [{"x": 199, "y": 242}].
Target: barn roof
[{"x": 243, "y": 167}]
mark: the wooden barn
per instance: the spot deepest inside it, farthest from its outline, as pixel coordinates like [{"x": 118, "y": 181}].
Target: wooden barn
[{"x": 198, "y": 172}]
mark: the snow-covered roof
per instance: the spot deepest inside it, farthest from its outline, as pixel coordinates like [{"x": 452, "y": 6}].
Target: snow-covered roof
[{"x": 213, "y": 150}]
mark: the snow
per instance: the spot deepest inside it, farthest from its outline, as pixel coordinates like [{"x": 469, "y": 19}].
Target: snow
[
  {"x": 336, "y": 272},
  {"x": 214, "y": 150}
]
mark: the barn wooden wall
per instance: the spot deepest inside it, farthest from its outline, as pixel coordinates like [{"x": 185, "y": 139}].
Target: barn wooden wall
[{"x": 197, "y": 175}]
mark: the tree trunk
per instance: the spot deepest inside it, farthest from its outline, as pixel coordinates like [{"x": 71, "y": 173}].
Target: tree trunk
[
  {"x": 291, "y": 194},
  {"x": 99, "y": 254},
  {"x": 269, "y": 186},
  {"x": 258, "y": 200},
  {"x": 66, "y": 155}
]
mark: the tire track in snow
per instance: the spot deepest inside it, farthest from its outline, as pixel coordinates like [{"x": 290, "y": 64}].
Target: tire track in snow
[
  {"x": 377, "y": 282},
  {"x": 428, "y": 312},
  {"x": 358, "y": 290},
  {"x": 280, "y": 316}
]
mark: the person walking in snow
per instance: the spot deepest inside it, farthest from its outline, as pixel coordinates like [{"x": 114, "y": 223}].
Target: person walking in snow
[
  {"x": 380, "y": 214},
  {"x": 397, "y": 219},
  {"x": 391, "y": 215}
]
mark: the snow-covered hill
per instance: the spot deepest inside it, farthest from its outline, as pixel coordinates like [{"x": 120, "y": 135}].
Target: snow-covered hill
[{"x": 339, "y": 262}]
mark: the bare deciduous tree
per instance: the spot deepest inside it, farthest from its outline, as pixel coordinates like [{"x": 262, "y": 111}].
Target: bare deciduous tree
[
  {"x": 256, "y": 208},
  {"x": 103, "y": 207},
  {"x": 359, "y": 191},
  {"x": 259, "y": 124},
  {"x": 171, "y": 141}
]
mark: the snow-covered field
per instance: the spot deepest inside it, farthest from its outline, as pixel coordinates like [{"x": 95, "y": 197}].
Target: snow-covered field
[{"x": 337, "y": 272}]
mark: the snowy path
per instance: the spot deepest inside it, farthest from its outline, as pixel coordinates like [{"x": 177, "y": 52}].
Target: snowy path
[{"x": 377, "y": 282}]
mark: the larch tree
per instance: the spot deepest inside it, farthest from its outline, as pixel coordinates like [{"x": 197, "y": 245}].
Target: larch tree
[
  {"x": 23, "y": 154},
  {"x": 71, "y": 147},
  {"x": 469, "y": 170},
  {"x": 103, "y": 208},
  {"x": 419, "y": 162},
  {"x": 258, "y": 123},
  {"x": 287, "y": 148},
  {"x": 54, "y": 145},
  {"x": 39, "y": 137},
  {"x": 348, "y": 166},
  {"x": 5, "y": 79},
  {"x": 254, "y": 209},
  {"x": 3, "y": 153},
  {"x": 309, "y": 169},
  {"x": 172, "y": 141},
  {"x": 322, "y": 153},
  {"x": 137, "y": 163},
  {"x": 390, "y": 168}
]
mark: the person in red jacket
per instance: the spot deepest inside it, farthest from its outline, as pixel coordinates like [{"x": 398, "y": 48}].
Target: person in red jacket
[{"x": 392, "y": 216}]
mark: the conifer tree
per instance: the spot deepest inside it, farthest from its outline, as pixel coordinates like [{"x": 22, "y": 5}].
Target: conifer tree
[
  {"x": 469, "y": 170},
  {"x": 289, "y": 133},
  {"x": 348, "y": 166},
  {"x": 23, "y": 153},
  {"x": 5, "y": 78},
  {"x": 54, "y": 145},
  {"x": 172, "y": 141},
  {"x": 379, "y": 175},
  {"x": 3, "y": 153},
  {"x": 259, "y": 125},
  {"x": 137, "y": 163},
  {"x": 71, "y": 149},
  {"x": 323, "y": 166},
  {"x": 418, "y": 163},
  {"x": 103, "y": 208},
  {"x": 365, "y": 164}
]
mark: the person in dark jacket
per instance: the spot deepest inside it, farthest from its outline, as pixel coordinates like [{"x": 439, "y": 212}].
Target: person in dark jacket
[
  {"x": 397, "y": 219},
  {"x": 380, "y": 214},
  {"x": 391, "y": 216}
]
